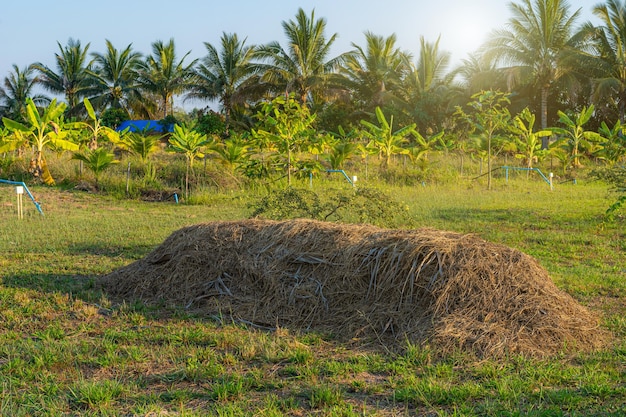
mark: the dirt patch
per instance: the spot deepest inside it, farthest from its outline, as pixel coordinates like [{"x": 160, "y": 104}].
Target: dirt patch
[{"x": 449, "y": 290}]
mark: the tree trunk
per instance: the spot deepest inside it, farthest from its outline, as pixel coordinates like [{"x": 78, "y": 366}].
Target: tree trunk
[
  {"x": 187, "y": 183},
  {"x": 545, "y": 141},
  {"x": 165, "y": 103},
  {"x": 622, "y": 106},
  {"x": 227, "y": 123},
  {"x": 289, "y": 165},
  {"x": 489, "y": 163}
]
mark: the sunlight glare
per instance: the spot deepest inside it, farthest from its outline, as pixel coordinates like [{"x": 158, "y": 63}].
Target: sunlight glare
[{"x": 468, "y": 28}]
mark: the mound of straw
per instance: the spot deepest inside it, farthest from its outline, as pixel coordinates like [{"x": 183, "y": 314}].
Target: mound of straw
[{"x": 449, "y": 290}]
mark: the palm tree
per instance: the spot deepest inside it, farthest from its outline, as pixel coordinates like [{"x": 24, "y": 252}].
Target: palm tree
[
  {"x": 96, "y": 160},
  {"x": 139, "y": 144},
  {"x": 424, "y": 146},
  {"x": 340, "y": 152},
  {"x": 18, "y": 86},
  {"x": 430, "y": 70},
  {"x": 474, "y": 74},
  {"x": 477, "y": 73},
  {"x": 537, "y": 46},
  {"x": 72, "y": 77},
  {"x": 613, "y": 148},
  {"x": 373, "y": 73},
  {"x": 114, "y": 75},
  {"x": 165, "y": 76},
  {"x": 223, "y": 74},
  {"x": 610, "y": 42},
  {"x": 232, "y": 152},
  {"x": 303, "y": 68},
  {"x": 426, "y": 84}
]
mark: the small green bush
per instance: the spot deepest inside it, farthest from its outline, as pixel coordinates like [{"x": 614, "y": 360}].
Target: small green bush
[
  {"x": 616, "y": 176},
  {"x": 358, "y": 205}
]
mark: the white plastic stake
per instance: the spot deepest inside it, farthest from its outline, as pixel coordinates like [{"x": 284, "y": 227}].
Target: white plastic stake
[
  {"x": 19, "y": 190},
  {"x": 551, "y": 175}
]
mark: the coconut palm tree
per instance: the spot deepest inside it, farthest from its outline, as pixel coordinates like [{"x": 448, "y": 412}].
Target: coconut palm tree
[
  {"x": 232, "y": 153},
  {"x": 613, "y": 147},
  {"x": 163, "y": 75},
  {"x": 426, "y": 85},
  {"x": 114, "y": 75},
  {"x": 140, "y": 145},
  {"x": 304, "y": 67},
  {"x": 474, "y": 74},
  {"x": 72, "y": 77},
  {"x": 96, "y": 160},
  {"x": 18, "y": 86},
  {"x": 373, "y": 73},
  {"x": 429, "y": 72},
  {"x": 477, "y": 73},
  {"x": 223, "y": 74},
  {"x": 610, "y": 55},
  {"x": 537, "y": 47}
]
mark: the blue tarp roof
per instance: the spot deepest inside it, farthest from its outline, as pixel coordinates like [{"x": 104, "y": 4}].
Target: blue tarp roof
[{"x": 144, "y": 126}]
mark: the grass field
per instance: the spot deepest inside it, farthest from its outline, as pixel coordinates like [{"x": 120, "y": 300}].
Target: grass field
[{"x": 66, "y": 349}]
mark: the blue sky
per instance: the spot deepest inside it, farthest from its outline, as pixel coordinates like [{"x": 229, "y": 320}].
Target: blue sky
[{"x": 29, "y": 31}]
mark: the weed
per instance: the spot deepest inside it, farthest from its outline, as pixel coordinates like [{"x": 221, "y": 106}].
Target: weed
[
  {"x": 94, "y": 395},
  {"x": 324, "y": 396},
  {"x": 227, "y": 388}
]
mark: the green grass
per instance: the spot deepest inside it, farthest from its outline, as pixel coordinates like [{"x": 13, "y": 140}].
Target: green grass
[{"x": 66, "y": 349}]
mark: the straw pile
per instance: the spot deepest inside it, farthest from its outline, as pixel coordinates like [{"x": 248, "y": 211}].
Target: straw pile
[{"x": 364, "y": 283}]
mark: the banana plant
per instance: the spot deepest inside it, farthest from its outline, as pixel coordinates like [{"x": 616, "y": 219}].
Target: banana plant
[
  {"x": 385, "y": 139},
  {"x": 41, "y": 131},
  {"x": 96, "y": 129},
  {"x": 528, "y": 142},
  {"x": 576, "y": 134},
  {"x": 613, "y": 148},
  {"x": 187, "y": 141},
  {"x": 424, "y": 146}
]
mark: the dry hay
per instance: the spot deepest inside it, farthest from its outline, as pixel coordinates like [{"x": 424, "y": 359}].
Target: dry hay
[{"x": 449, "y": 290}]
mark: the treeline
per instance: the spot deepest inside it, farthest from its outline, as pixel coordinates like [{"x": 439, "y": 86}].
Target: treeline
[
  {"x": 375, "y": 99},
  {"x": 545, "y": 57}
]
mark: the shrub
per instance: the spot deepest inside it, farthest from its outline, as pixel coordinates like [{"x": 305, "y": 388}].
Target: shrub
[
  {"x": 358, "y": 205},
  {"x": 616, "y": 176}
]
